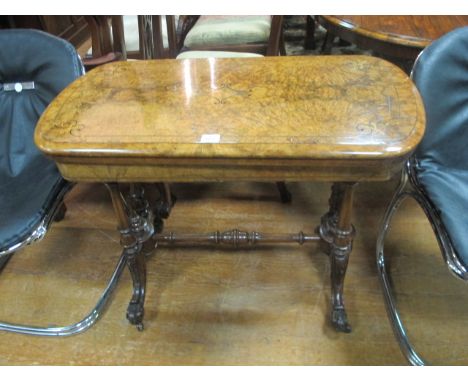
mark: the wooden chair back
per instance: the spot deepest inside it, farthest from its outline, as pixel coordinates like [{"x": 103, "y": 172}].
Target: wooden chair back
[
  {"x": 151, "y": 37},
  {"x": 151, "y": 46},
  {"x": 273, "y": 47},
  {"x": 105, "y": 49}
]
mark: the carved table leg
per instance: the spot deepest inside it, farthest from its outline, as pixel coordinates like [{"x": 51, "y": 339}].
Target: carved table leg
[
  {"x": 162, "y": 207},
  {"x": 166, "y": 202},
  {"x": 136, "y": 228},
  {"x": 337, "y": 231},
  {"x": 136, "y": 263}
]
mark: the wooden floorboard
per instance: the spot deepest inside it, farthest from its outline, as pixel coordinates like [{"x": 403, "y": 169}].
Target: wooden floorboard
[{"x": 206, "y": 306}]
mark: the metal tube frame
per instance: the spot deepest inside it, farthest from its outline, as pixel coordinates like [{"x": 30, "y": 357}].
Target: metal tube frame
[
  {"x": 40, "y": 230},
  {"x": 410, "y": 187},
  {"x": 80, "y": 326}
]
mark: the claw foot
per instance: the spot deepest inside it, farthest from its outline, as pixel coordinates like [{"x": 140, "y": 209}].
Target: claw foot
[
  {"x": 135, "y": 313},
  {"x": 340, "y": 320}
]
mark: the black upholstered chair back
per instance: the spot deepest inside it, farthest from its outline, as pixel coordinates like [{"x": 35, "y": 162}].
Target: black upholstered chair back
[
  {"x": 441, "y": 75},
  {"x": 29, "y": 56}
]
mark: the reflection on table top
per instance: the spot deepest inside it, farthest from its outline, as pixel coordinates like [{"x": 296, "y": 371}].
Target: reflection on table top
[{"x": 275, "y": 107}]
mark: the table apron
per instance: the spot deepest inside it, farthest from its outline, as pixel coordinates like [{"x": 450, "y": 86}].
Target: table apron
[{"x": 324, "y": 170}]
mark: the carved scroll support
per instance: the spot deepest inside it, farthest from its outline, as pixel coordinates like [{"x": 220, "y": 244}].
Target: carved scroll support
[
  {"x": 235, "y": 238},
  {"x": 337, "y": 231},
  {"x": 135, "y": 223}
]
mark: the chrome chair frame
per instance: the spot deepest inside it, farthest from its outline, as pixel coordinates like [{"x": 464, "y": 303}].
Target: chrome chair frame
[
  {"x": 410, "y": 186},
  {"x": 81, "y": 325},
  {"x": 40, "y": 230},
  {"x": 38, "y": 233}
]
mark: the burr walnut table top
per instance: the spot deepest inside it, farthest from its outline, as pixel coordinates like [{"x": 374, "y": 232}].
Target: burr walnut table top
[{"x": 275, "y": 118}]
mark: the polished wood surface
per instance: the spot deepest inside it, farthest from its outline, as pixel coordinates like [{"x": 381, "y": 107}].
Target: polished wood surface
[
  {"x": 399, "y": 36},
  {"x": 276, "y": 118},
  {"x": 214, "y": 306}
]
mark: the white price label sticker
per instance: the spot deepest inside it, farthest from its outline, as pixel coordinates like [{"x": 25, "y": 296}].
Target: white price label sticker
[{"x": 210, "y": 138}]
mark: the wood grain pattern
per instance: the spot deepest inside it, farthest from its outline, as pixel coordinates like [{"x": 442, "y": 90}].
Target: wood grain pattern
[
  {"x": 271, "y": 113},
  {"x": 399, "y": 36}
]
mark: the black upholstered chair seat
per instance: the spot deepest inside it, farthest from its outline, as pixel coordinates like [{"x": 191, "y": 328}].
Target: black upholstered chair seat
[
  {"x": 447, "y": 188},
  {"x": 26, "y": 200}
]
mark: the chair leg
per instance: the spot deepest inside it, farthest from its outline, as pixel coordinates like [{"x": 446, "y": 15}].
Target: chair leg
[
  {"x": 397, "y": 325},
  {"x": 309, "y": 41},
  {"x": 285, "y": 195},
  {"x": 60, "y": 214},
  {"x": 328, "y": 43},
  {"x": 80, "y": 326},
  {"x": 282, "y": 45}
]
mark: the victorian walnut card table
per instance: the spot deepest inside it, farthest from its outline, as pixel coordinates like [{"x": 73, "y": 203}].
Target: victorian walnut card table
[{"x": 140, "y": 125}]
